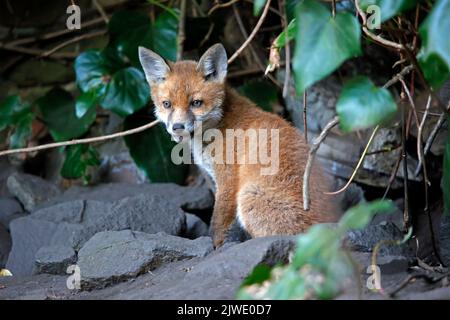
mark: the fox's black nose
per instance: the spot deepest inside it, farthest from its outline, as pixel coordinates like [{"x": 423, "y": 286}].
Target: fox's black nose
[{"x": 178, "y": 126}]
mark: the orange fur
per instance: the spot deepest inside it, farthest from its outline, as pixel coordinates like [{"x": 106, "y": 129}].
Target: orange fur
[{"x": 264, "y": 205}]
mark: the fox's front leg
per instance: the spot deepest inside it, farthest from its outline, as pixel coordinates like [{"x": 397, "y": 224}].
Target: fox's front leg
[{"x": 223, "y": 215}]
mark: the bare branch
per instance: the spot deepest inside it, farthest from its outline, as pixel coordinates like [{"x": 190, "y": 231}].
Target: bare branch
[
  {"x": 81, "y": 141},
  {"x": 253, "y": 33},
  {"x": 312, "y": 152}
]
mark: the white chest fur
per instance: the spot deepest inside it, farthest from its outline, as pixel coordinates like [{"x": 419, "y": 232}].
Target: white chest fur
[{"x": 203, "y": 159}]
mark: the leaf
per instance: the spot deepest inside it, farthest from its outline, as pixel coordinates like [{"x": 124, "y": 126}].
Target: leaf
[
  {"x": 128, "y": 30},
  {"x": 434, "y": 55},
  {"x": 165, "y": 33},
  {"x": 323, "y": 43},
  {"x": 93, "y": 68},
  {"x": 11, "y": 110},
  {"x": 257, "y": 6},
  {"x": 362, "y": 105},
  {"x": 22, "y": 131},
  {"x": 446, "y": 175},
  {"x": 259, "y": 274},
  {"x": 123, "y": 91},
  {"x": 359, "y": 216},
  {"x": 19, "y": 116},
  {"x": 151, "y": 150},
  {"x": 85, "y": 102},
  {"x": 126, "y": 93},
  {"x": 388, "y": 8},
  {"x": 78, "y": 159},
  {"x": 58, "y": 111},
  {"x": 291, "y": 31},
  {"x": 314, "y": 241},
  {"x": 261, "y": 92}
]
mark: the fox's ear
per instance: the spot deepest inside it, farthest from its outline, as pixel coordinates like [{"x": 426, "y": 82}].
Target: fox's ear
[
  {"x": 214, "y": 63},
  {"x": 155, "y": 68}
]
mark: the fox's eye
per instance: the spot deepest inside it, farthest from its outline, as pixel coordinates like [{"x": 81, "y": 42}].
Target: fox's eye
[
  {"x": 196, "y": 103},
  {"x": 167, "y": 104}
]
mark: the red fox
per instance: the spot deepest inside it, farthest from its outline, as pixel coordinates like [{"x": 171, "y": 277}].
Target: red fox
[{"x": 188, "y": 95}]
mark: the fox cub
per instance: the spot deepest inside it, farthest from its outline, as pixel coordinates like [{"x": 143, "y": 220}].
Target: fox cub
[{"x": 189, "y": 95}]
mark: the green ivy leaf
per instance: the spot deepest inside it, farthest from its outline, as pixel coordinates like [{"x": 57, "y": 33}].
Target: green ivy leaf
[
  {"x": 259, "y": 274},
  {"x": 126, "y": 93},
  {"x": 362, "y": 105},
  {"x": 93, "y": 68},
  {"x": 446, "y": 175},
  {"x": 123, "y": 91},
  {"x": 78, "y": 159},
  {"x": 22, "y": 131},
  {"x": 291, "y": 31},
  {"x": 434, "y": 55},
  {"x": 261, "y": 92},
  {"x": 58, "y": 111},
  {"x": 359, "y": 216},
  {"x": 323, "y": 43},
  {"x": 388, "y": 8},
  {"x": 165, "y": 33},
  {"x": 85, "y": 102},
  {"x": 314, "y": 241},
  {"x": 257, "y": 6},
  {"x": 12, "y": 110},
  {"x": 18, "y": 115},
  {"x": 151, "y": 150},
  {"x": 128, "y": 30}
]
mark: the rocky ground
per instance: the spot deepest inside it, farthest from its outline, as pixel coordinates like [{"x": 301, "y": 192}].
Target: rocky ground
[{"x": 151, "y": 241}]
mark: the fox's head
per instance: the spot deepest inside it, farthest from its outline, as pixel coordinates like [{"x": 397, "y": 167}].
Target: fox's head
[{"x": 187, "y": 91}]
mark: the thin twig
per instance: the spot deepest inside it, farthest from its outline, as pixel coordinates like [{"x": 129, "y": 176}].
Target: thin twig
[
  {"x": 287, "y": 51},
  {"x": 253, "y": 51},
  {"x": 208, "y": 35},
  {"x": 53, "y": 34},
  {"x": 81, "y": 141},
  {"x": 38, "y": 52},
  {"x": 406, "y": 216},
  {"x": 420, "y": 155},
  {"x": 360, "y": 162},
  {"x": 252, "y": 34},
  {"x": 100, "y": 10},
  {"x": 433, "y": 135},
  {"x": 374, "y": 37},
  {"x": 181, "y": 30},
  {"x": 221, "y": 5},
  {"x": 73, "y": 40},
  {"x": 305, "y": 120},
  {"x": 393, "y": 175},
  {"x": 420, "y": 150},
  {"x": 312, "y": 152}
]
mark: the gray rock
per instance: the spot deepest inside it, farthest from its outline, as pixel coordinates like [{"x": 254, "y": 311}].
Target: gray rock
[
  {"x": 189, "y": 198},
  {"x": 114, "y": 256},
  {"x": 388, "y": 264},
  {"x": 220, "y": 274},
  {"x": 73, "y": 223},
  {"x": 10, "y": 209},
  {"x": 195, "y": 227},
  {"x": 31, "y": 190},
  {"x": 5, "y": 245},
  {"x": 28, "y": 236},
  {"x": 54, "y": 259},
  {"x": 366, "y": 239},
  {"x": 217, "y": 276},
  {"x": 6, "y": 169}
]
